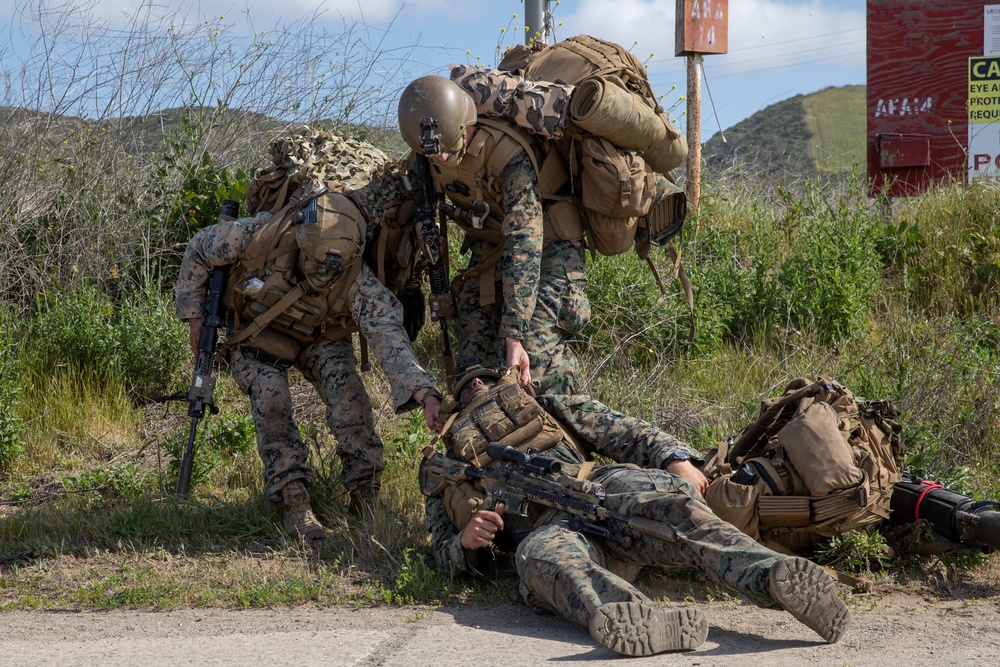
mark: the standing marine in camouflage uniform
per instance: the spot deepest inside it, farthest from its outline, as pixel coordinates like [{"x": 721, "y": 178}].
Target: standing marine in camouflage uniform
[
  {"x": 587, "y": 578},
  {"x": 297, "y": 289},
  {"x": 524, "y": 291}
]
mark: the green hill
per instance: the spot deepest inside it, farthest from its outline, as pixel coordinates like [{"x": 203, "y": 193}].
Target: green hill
[{"x": 807, "y": 135}]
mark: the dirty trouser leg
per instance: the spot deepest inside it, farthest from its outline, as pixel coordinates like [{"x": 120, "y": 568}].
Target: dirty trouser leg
[
  {"x": 561, "y": 311},
  {"x": 564, "y": 572},
  {"x": 704, "y": 541},
  {"x": 279, "y": 444},
  {"x": 330, "y": 367}
]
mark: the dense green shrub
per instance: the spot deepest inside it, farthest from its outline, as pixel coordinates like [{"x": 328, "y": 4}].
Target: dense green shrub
[{"x": 137, "y": 341}]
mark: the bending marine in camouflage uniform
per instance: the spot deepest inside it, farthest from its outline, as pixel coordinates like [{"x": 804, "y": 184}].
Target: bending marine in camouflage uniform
[
  {"x": 324, "y": 269},
  {"x": 586, "y": 578},
  {"x": 524, "y": 290}
]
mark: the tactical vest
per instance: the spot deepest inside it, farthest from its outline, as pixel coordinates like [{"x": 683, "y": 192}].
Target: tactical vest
[
  {"x": 473, "y": 185},
  {"x": 275, "y": 310},
  {"x": 506, "y": 415}
]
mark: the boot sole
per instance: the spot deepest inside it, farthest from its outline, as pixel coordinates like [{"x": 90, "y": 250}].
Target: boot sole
[
  {"x": 634, "y": 629},
  {"x": 808, "y": 593}
]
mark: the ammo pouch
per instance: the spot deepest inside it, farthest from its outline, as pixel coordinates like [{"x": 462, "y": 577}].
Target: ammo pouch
[
  {"x": 815, "y": 464},
  {"x": 506, "y": 415}
]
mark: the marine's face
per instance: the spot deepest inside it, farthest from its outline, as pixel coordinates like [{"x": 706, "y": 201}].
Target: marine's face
[
  {"x": 475, "y": 388},
  {"x": 451, "y": 156}
]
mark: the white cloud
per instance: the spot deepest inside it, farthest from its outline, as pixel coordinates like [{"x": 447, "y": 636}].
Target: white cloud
[{"x": 753, "y": 25}]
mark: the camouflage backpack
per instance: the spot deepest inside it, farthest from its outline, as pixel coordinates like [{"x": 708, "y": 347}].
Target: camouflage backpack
[
  {"x": 605, "y": 134},
  {"x": 350, "y": 166},
  {"x": 816, "y": 463}
]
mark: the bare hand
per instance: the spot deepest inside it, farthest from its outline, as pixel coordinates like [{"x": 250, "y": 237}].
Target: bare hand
[
  {"x": 195, "y": 325},
  {"x": 431, "y": 407},
  {"x": 517, "y": 356},
  {"x": 482, "y": 528},
  {"x": 684, "y": 468}
]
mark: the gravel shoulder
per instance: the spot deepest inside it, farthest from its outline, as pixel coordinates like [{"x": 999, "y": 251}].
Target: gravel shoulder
[{"x": 890, "y": 627}]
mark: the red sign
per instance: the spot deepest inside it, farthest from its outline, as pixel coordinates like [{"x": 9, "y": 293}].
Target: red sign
[
  {"x": 918, "y": 88},
  {"x": 702, "y": 26}
]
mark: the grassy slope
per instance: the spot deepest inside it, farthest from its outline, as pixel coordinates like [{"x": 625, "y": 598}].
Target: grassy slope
[
  {"x": 820, "y": 133},
  {"x": 836, "y": 120}
]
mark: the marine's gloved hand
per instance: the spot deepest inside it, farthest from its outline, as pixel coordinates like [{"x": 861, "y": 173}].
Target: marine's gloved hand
[
  {"x": 518, "y": 356},
  {"x": 684, "y": 468}
]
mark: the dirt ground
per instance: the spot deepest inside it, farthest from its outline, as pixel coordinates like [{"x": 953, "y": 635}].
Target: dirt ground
[{"x": 934, "y": 622}]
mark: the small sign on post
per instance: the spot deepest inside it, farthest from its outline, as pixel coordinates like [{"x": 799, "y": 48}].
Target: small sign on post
[{"x": 702, "y": 26}]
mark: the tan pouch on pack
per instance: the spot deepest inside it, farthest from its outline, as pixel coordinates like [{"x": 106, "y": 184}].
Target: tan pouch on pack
[
  {"x": 275, "y": 344},
  {"x": 735, "y": 503},
  {"x": 611, "y": 236},
  {"x": 562, "y": 221},
  {"x": 614, "y": 182},
  {"x": 818, "y": 451}
]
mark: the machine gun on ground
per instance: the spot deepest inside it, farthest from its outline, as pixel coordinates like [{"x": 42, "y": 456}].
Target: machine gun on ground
[
  {"x": 518, "y": 478},
  {"x": 955, "y": 517}
]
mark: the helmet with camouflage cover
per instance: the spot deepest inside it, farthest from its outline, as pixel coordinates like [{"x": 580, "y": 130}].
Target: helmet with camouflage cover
[
  {"x": 433, "y": 115},
  {"x": 330, "y": 240}
]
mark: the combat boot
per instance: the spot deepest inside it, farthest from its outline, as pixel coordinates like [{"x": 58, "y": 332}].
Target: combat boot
[
  {"x": 299, "y": 520},
  {"x": 363, "y": 502},
  {"x": 808, "y": 593},
  {"x": 632, "y": 628}
]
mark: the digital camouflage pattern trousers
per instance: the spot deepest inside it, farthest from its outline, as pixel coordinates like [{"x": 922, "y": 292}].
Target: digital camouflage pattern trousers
[
  {"x": 330, "y": 367},
  {"x": 561, "y": 310},
  {"x": 572, "y": 574}
]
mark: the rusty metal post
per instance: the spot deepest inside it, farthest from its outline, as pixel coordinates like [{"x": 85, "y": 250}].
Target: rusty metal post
[{"x": 693, "y": 174}]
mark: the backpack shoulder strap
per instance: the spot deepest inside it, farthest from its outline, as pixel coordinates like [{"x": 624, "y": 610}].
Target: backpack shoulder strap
[
  {"x": 499, "y": 159},
  {"x": 265, "y": 245}
]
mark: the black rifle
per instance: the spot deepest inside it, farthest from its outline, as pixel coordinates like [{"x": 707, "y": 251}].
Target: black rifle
[
  {"x": 955, "y": 517},
  {"x": 425, "y": 210},
  {"x": 519, "y": 478},
  {"x": 201, "y": 395}
]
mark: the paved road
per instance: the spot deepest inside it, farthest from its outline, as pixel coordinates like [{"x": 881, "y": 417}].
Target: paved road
[{"x": 909, "y": 633}]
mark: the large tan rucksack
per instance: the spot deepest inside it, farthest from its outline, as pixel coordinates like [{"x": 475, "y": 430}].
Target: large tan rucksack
[
  {"x": 351, "y": 166},
  {"x": 605, "y": 134},
  {"x": 815, "y": 464}
]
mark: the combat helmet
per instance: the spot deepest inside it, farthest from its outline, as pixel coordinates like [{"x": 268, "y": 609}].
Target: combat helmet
[
  {"x": 433, "y": 114},
  {"x": 330, "y": 233}
]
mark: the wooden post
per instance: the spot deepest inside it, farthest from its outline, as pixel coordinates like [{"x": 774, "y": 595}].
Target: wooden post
[
  {"x": 702, "y": 27},
  {"x": 693, "y": 183}
]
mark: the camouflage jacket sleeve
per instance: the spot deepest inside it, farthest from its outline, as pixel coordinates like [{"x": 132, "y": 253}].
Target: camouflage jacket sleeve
[
  {"x": 446, "y": 545},
  {"x": 379, "y": 315},
  {"x": 621, "y": 438},
  {"x": 217, "y": 245},
  {"x": 522, "y": 248}
]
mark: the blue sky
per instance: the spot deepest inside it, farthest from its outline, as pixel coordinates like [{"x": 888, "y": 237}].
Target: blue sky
[{"x": 777, "y": 48}]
